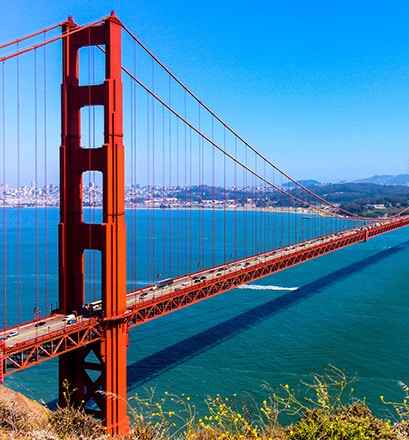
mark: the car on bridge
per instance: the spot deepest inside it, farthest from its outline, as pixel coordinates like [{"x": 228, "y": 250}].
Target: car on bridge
[{"x": 69, "y": 317}]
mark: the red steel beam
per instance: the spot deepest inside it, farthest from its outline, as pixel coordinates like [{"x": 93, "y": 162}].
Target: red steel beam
[{"x": 109, "y": 237}]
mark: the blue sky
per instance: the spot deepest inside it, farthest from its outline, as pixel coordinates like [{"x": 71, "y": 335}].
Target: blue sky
[{"x": 320, "y": 87}]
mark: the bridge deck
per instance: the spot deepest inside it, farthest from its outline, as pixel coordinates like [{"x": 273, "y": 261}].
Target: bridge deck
[{"x": 32, "y": 343}]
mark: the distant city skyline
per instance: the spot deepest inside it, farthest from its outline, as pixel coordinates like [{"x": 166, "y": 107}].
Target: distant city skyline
[
  {"x": 213, "y": 197},
  {"x": 319, "y": 88}
]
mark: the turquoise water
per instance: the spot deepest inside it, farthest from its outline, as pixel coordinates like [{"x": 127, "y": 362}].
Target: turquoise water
[{"x": 350, "y": 309}]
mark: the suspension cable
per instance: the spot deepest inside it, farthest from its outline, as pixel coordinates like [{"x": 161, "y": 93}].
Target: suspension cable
[
  {"x": 228, "y": 127},
  {"x": 74, "y": 29},
  {"x": 230, "y": 156}
]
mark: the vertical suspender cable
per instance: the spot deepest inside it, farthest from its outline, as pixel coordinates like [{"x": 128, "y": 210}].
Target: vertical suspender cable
[
  {"x": 190, "y": 204},
  {"x": 178, "y": 233},
  {"x": 190, "y": 171},
  {"x": 245, "y": 218},
  {"x": 257, "y": 210},
  {"x": 132, "y": 252},
  {"x": 296, "y": 217},
  {"x": 261, "y": 203},
  {"x": 19, "y": 194},
  {"x": 235, "y": 202},
  {"x": 307, "y": 229},
  {"x": 250, "y": 220},
  {"x": 170, "y": 246},
  {"x": 293, "y": 214},
  {"x": 162, "y": 205},
  {"x": 273, "y": 224},
  {"x": 266, "y": 240},
  {"x": 186, "y": 223},
  {"x": 148, "y": 141},
  {"x": 45, "y": 186},
  {"x": 253, "y": 210},
  {"x": 213, "y": 263},
  {"x": 4, "y": 200},
  {"x": 36, "y": 188},
  {"x": 134, "y": 126},
  {"x": 288, "y": 215},
  {"x": 153, "y": 241},
  {"x": 282, "y": 216},
  {"x": 201, "y": 186},
  {"x": 317, "y": 224},
  {"x": 224, "y": 198},
  {"x": 130, "y": 219}
]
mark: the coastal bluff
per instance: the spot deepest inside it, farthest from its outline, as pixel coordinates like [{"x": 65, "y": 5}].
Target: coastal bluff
[{"x": 18, "y": 409}]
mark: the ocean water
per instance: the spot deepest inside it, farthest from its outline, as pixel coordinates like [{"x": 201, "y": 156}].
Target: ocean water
[{"x": 349, "y": 309}]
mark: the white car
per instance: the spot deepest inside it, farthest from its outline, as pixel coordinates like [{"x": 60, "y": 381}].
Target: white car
[
  {"x": 69, "y": 317},
  {"x": 12, "y": 334}
]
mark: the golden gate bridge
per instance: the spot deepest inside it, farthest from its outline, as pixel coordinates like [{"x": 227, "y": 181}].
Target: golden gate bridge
[{"x": 135, "y": 143}]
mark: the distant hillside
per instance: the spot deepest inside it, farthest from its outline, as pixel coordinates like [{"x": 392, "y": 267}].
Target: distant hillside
[
  {"x": 400, "y": 179},
  {"x": 366, "y": 199},
  {"x": 389, "y": 180}
]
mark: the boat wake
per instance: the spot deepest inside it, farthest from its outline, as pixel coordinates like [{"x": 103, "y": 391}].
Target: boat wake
[{"x": 260, "y": 287}]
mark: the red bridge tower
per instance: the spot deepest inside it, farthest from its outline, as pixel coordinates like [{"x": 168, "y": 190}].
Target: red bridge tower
[{"x": 100, "y": 366}]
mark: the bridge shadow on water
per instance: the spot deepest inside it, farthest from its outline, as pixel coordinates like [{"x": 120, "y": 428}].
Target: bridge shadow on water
[{"x": 164, "y": 360}]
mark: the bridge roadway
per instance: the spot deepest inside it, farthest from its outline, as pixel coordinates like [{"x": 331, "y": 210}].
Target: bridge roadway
[{"x": 37, "y": 341}]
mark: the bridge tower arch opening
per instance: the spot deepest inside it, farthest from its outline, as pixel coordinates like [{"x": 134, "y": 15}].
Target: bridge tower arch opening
[{"x": 108, "y": 363}]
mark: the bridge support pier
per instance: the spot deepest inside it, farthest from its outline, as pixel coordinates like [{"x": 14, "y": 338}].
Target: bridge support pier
[{"x": 97, "y": 374}]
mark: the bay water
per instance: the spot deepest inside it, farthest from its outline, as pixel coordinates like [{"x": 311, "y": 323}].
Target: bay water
[{"x": 348, "y": 309}]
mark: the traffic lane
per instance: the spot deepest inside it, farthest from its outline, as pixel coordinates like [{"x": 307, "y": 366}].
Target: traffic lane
[{"x": 29, "y": 331}]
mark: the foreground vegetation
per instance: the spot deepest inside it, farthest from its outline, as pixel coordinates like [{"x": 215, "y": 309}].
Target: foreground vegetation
[{"x": 322, "y": 409}]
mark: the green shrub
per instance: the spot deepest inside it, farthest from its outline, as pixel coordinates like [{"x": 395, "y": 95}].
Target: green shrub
[{"x": 354, "y": 422}]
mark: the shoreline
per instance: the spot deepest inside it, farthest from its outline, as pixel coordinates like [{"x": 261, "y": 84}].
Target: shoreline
[{"x": 308, "y": 211}]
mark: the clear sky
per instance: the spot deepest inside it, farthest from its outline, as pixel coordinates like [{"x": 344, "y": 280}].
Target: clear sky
[{"x": 319, "y": 87}]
